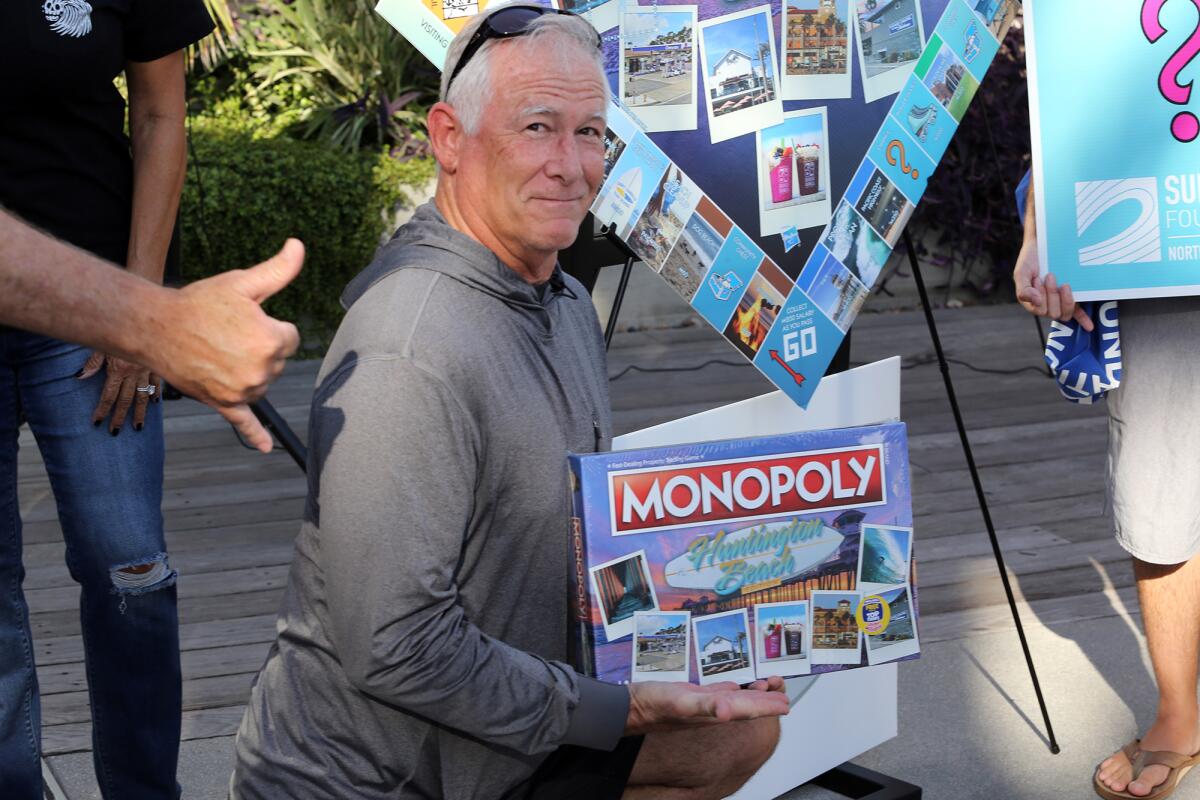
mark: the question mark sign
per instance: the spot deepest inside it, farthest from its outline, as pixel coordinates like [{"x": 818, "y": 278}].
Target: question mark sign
[
  {"x": 896, "y": 144},
  {"x": 1184, "y": 127}
]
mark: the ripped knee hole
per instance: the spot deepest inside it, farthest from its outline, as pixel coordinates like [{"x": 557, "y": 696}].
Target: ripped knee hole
[{"x": 148, "y": 575}]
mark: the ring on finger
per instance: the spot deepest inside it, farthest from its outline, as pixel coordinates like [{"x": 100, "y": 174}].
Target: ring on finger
[{"x": 147, "y": 390}]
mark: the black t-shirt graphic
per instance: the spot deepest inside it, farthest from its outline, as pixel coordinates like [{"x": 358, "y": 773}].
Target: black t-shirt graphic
[{"x": 65, "y": 163}]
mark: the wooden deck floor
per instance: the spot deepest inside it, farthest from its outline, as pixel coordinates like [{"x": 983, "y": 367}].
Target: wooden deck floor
[{"x": 232, "y": 514}]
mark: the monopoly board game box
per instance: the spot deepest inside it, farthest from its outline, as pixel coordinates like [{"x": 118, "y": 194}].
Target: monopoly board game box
[{"x": 730, "y": 560}]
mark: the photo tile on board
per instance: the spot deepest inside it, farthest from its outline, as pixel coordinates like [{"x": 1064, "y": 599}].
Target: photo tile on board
[
  {"x": 899, "y": 156},
  {"x": 726, "y": 282},
  {"x": 856, "y": 245},
  {"x": 968, "y": 37},
  {"x": 921, "y": 114},
  {"x": 997, "y": 15},
  {"x": 693, "y": 255},
  {"x": 799, "y": 347},
  {"x": 890, "y": 38},
  {"x": 757, "y": 310},
  {"x": 883, "y": 205},
  {"x": 834, "y": 290},
  {"x": 657, "y": 66},
  {"x": 793, "y": 172},
  {"x": 816, "y": 50},
  {"x": 664, "y": 218},
  {"x": 947, "y": 78},
  {"x": 741, "y": 92},
  {"x": 634, "y": 178}
]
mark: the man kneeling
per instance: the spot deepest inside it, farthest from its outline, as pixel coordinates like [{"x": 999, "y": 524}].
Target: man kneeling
[{"x": 421, "y": 643}]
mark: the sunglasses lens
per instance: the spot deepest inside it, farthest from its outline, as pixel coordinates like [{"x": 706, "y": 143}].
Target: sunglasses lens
[{"x": 509, "y": 21}]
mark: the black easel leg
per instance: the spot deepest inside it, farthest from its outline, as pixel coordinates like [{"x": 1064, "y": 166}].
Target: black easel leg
[
  {"x": 611, "y": 327},
  {"x": 283, "y": 433},
  {"x": 983, "y": 505}
]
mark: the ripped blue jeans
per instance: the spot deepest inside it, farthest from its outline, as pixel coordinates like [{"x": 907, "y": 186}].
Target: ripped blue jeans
[{"x": 108, "y": 490}]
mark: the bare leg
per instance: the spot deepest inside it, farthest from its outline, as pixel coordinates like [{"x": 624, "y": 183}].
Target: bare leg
[
  {"x": 701, "y": 763},
  {"x": 1170, "y": 600}
]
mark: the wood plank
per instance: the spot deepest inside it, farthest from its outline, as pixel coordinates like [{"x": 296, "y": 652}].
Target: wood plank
[
  {"x": 210, "y": 584},
  {"x": 192, "y": 636},
  {"x": 205, "y": 723},
  {"x": 210, "y": 662},
  {"x": 223, "y": 690},
  {"x": 204, "y": 608}
]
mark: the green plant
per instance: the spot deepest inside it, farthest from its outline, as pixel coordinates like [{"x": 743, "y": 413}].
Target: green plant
[
  {"x": 243, "y": 195},
  {"x": 368, "y": 87},
  {"x": 224, "y": 39}
]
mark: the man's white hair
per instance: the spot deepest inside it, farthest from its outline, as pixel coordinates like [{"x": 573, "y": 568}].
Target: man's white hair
[{"x": 568, "y": 36}]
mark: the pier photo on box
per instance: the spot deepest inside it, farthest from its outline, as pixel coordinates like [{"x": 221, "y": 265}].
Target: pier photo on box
[{"x": 622, "y": 587}]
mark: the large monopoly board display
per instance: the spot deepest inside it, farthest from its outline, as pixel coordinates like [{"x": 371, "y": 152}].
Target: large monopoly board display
[
  {"x": 785, "y": 555},
  {"x": 1117, "y": 207},
  {"x": 735, "y": 163}
]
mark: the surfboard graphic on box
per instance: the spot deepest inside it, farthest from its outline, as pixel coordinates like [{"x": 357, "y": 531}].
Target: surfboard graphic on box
[{"x": 730, "y": 560}]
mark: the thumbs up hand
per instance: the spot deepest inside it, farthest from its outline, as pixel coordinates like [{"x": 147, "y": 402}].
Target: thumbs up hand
[{"x": 223, "y": 349}]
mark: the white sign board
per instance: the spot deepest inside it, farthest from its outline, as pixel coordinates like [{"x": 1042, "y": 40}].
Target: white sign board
[{"x": 838, "y": 716}]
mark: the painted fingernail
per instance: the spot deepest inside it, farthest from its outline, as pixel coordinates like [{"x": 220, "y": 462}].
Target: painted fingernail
[
  {"x": 96, "y": 422},
  {"x": 77, "y": 374},
  {"x": 137, "y": 426},
  {"x": 115, "y": 431}
]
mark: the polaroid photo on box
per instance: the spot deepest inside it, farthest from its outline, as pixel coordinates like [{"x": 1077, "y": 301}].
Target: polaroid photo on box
[
  {"x": 898, "y": 638},
  {"x": 891, "y": 36},
  {"x": 622, "y": 587},
  {"x": 737, "y": 55},
  {"x": 884, "y": 556},
  {"x": 662, "y": 645},
  {"x": 604, "y": 15},
  {"x": 816, "y": 50},
  {"x": 657, "y": 70},
  {"x": 834, "y": 290},
  {"x": 723, "y": 651},
  {"x": 793, "y": 172},
  {"x": 781, "y": 639},
  {"x": 836, "y": 638},
  {"x": 664, "y": 218}
]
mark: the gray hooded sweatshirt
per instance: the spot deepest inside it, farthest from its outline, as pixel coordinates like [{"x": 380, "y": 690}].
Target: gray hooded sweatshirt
[{"x": 423, "y": 631}]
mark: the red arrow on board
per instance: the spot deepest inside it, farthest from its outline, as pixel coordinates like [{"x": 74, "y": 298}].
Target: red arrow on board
[{"x": 796, "y": 376}]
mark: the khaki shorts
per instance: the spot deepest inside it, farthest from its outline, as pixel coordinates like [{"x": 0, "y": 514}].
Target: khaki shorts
[{"x": 1154, "y": 431}]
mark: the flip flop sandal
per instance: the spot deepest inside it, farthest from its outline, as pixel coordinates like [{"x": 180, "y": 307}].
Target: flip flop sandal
[{"x": 1178, "y": 765}]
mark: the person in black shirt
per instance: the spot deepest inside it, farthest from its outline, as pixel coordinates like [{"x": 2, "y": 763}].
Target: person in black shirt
[{"x": 67, "y": 166}]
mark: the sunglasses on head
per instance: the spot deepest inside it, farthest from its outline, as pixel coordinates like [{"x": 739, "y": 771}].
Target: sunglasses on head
[{"x": 507, "y": 23}]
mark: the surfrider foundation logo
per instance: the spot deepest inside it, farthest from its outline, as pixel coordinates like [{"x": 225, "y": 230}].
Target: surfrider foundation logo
[
  {"x": 68, "y": 17},
  {"x": 1140, "y": 242}
]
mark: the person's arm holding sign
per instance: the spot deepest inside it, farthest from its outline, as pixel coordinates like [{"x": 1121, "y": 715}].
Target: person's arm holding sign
[
  {"x": 1038, "y": 295},
  {"x": 210, "y": 339}
]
